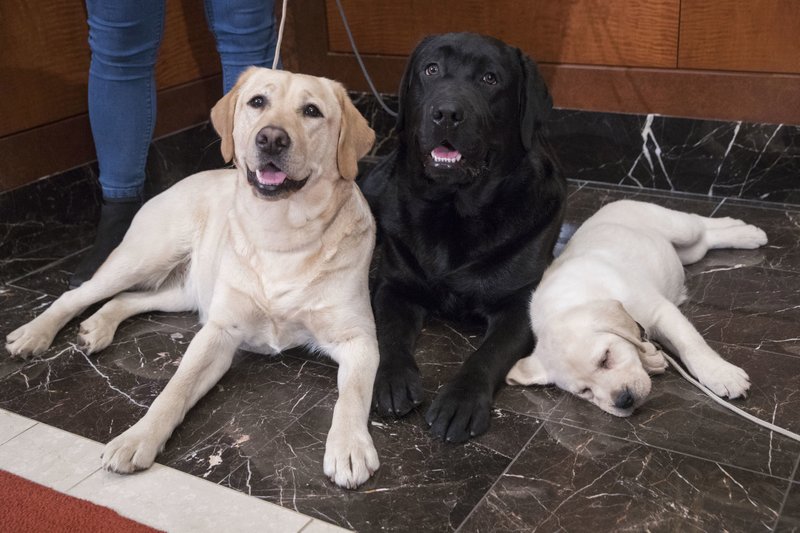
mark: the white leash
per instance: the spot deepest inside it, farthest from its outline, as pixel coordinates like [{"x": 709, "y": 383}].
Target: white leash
[
  {"x": 727, "y": 405},
  {"x": 352, "y": 45},
  {"x": 280, "y": 35}
]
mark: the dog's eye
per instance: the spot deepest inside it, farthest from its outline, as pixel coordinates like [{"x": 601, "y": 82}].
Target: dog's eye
[
  {"x": 256, "y": 102},
  {"x": 312, "y": 111},
  {"x": 604, "y": 361},
  {"x": 585, "y": 392},
  {"x": 431, "y": 69},
  {"x": 489, "y": 78}
]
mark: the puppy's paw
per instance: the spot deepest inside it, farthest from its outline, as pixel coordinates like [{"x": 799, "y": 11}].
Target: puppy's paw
[
  {"x": 725, "y": 222},
  {"x": 654, "y": 363},
  {"x": 95, "y": 334},
  {"x": 724, "y": 379},
  {"x": 136, "y": 449},
  {"x": 398, "y": 390},
  {"x": 749, "y": 237},
  {"x": 461, "y": 410},
  {"x": 350, "y": 457},
  {"x": 31, "y": 339}
]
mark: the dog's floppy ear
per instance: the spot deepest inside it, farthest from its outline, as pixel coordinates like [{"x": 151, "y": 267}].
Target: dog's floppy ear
[
  {"x": 222, "y": 115},
  {"x": 355, "y": 136},
  {"x": 528, "y": 371},
  {"x": 621, "y": 323},
  {"x": 405, "y": 82},
  {"x": 534, "y": 100}
]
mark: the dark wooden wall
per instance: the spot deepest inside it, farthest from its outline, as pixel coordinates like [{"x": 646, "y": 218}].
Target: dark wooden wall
[
  {"x": 721, "y": 59},
  {"x": 44, "y": 66}
]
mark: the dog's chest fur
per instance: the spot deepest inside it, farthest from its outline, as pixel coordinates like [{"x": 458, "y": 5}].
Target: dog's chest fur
[{"x": 276, "y": 297}]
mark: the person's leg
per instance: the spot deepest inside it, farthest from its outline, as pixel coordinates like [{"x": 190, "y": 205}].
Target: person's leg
[
  {"x": 124, "y": 36},
  {"x": 246, "y": 35}
]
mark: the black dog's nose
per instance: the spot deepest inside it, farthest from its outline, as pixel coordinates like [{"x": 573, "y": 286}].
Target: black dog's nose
[
  {"x": 448, "y": 114},
  {"x": 624, "y": 400},
  {"x": 273, "y": 139}
]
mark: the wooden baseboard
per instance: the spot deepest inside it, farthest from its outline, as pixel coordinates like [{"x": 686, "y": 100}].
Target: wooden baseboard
[{"x": 46, "y": 150}]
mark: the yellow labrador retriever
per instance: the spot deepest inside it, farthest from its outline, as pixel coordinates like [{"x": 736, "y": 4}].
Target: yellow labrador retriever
[
  {"x": 620, "y": 277},
  {"x": 274, "y": 253}
]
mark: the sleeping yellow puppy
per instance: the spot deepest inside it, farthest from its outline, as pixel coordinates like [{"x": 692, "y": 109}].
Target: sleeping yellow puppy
[{"x": 619, "y": 279}]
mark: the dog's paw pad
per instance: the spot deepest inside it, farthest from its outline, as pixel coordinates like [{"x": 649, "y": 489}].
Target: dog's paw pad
[
  {"x": 94, "y": 335},
  {"x": 130, "y": 452},
  {"x": 350, "y": 460},
  {"x": 28, "y": 340}
]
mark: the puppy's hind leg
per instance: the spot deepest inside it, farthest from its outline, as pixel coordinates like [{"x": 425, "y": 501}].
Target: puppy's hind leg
[
  {"x": 693, "y": 235},
  {"x": 733, "y": 233},
  {"x": 675, "y": 331},
  {"x": 97, "y": 331}
]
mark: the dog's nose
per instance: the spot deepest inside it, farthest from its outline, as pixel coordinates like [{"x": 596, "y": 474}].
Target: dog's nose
[
  {"x": 624, "y": 400},
  {"x": 448, "y": 114},
  {"x": 273, "y": 140}
]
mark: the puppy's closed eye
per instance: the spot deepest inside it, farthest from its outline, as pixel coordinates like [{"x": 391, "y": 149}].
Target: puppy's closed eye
[
  {"x": 605, "y": 361},
  {"x": 586, "y": 393}
]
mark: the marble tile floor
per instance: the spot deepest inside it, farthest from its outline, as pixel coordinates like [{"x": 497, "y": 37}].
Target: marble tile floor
[{"x": 549, "y": 462}]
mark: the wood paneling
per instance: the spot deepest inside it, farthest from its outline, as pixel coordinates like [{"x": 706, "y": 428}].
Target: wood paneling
[
  {"x": 65, "y": 144},
  {"x": 44, "y": 68},
  {"x": 687, "y": 93},
  {"x": 44, "y": 64},
  {"x": 592, "y": 32},
  {"x": 743, "y": 35}
]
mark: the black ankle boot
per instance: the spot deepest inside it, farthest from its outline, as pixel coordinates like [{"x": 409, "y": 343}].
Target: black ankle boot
[{"x": 115, "y": 218}]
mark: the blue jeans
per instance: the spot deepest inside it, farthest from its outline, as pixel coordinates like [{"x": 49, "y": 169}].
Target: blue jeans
[{"x": 124, "y": 37}]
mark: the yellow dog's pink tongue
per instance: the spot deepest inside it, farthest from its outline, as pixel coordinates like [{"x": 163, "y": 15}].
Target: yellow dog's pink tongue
[
  {"x": 270, "y": 177},
  {"x": 444, "y": 154}
]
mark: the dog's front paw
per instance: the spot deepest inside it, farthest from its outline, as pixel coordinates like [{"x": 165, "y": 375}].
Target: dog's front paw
[
  {"x": 398, "y": 389},
  {"x": 461, "y": 410},
  {"x": 31, "y": 339},
  {"x": 136, "y": 449},
  {"x": 350, "y": 457},
  {"x": 724, "y": 379},
  {"x": 95, "y": 334}
]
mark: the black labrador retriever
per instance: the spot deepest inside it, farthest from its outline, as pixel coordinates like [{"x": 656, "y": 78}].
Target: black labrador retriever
[{"x": 469, "y": 208}]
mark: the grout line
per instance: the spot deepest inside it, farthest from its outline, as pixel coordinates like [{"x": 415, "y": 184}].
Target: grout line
[
  {"x": 35, "y": 423},
  {"x": 786, "y": 494},
  {"x": 503, "y": 473},
  {"x": 719, "y": 205},
  {"x": 745, "y": 202},
  {"x": 93, "y": 472},
  {"x": 672, "y": 451},
  {"x": 305, "y": 526},
  {"x": 45, "y": 267}
]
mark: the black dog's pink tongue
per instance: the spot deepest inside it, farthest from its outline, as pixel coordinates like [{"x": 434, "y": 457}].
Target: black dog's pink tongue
[
  {"x": 270, "y": 176},
  {"x": 445, "y": 154}
]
